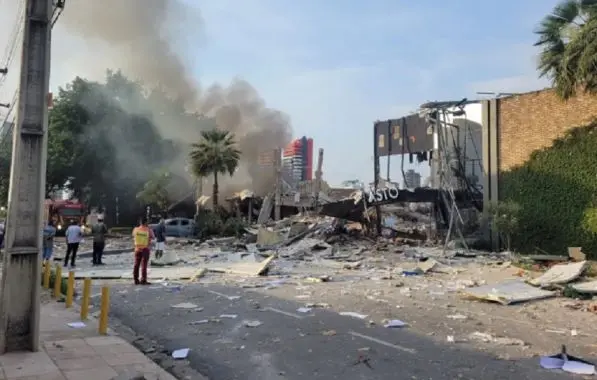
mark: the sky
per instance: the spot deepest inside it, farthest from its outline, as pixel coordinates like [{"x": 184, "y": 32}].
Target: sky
[{"x": 336, "y": 67}]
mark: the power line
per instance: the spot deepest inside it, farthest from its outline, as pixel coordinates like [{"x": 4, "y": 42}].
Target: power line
[
  {"x": 6, "y": 127},
  {"x": 11, "y": 47}
]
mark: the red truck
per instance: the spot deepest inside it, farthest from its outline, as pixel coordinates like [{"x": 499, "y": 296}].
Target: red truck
[{"x": 64, "y": 212}]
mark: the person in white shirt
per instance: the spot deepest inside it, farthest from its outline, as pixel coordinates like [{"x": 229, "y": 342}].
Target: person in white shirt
[{"x": 74, "y": 235}]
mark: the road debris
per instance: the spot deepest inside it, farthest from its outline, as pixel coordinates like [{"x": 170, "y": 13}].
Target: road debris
[
  {"x": 508, "y": 292},
  {"x": 252, "y": 323},
  {"x": 560, "y": 274},
  {"x": 353, "y": 314},
  {"x": 186, "y": 305},
  {"x": 567, "y": 363},
  {"x": 180, "y": 353},
  {"x": 500, "y": 340},
  {"x": 394, "y": 323}
]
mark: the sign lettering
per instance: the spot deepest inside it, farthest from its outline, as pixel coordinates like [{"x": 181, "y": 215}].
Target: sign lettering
[{"x": 382, "y": 194}]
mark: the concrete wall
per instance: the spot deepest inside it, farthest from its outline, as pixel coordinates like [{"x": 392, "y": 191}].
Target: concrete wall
[{"x": 532, "y": 121}]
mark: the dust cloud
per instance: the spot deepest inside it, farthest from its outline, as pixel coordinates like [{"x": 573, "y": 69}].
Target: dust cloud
[{"x": 148, "y": 40}]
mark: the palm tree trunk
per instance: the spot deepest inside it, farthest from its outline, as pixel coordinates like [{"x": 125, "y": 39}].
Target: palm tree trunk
[{"x": 214, "y": 196}]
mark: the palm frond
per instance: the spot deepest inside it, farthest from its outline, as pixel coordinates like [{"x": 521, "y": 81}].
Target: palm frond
[{"x": 215, "y": 153}]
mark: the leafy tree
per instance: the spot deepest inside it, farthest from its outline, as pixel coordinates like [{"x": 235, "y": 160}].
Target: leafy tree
[
  {"x": 504, "y": 216},
  {"x": 215, "y": 154},
  {"x": 155, "y": 191},
  {"x": 568, "y": 39}
]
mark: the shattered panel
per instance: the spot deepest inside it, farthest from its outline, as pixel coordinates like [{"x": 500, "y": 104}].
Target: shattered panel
[
  {"x": 509, "y": 292},
  {"x": 409, "y": 134},
  {"x": 560, "y": 274}
]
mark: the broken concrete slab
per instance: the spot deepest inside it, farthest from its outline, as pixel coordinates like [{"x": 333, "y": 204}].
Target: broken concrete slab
[
  {"x": 589, "y": 287},
  {"x": 169, "y": 258},
  {"x": 267, "y": 237},
  {"x": 431, "y": 265},
  {"x": 507, "y": 293},
  {"x": 242, "y": 267},
  {"x": 560, "y": 274}
]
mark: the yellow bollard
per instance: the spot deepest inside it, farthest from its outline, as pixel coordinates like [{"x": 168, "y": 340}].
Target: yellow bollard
[
  {"x": 47, "y": 273},
  {"x": 70, "y": 289},
  {"x": 58, "y": 281},
  {"x": 104, "y": 308},
  {"x": 86, "y": 298}
]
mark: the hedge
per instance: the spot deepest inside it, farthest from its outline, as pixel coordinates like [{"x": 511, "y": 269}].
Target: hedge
[{"x": 556, "y": 190}]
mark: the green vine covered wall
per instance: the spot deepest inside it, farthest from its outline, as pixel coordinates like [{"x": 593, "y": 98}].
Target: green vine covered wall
[{"x": 556, "y": 190}]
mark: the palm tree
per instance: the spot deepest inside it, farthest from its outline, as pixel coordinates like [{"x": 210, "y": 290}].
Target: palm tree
[
  {"x": 568, "y": 39},
  {"x": 215, "y": 154}
]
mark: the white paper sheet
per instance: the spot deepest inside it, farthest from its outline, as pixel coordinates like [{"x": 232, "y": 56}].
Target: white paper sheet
[{"x": 180, "y": 354}]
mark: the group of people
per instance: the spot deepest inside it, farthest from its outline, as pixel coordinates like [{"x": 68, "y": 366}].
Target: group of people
[
  {"x": 74, "y": 235},
  {"x": 143, "y": 237}
]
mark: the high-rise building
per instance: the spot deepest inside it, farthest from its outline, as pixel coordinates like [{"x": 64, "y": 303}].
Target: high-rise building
[
  {"x": 412, "y": 179},
  {"x": 297, "y": 160}
]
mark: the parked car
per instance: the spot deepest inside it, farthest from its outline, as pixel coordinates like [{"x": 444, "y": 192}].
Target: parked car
[{"x": 178, "y": 227}]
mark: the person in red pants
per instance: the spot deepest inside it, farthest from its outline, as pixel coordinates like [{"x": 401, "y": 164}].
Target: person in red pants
[{"x": 142, "y": 237}]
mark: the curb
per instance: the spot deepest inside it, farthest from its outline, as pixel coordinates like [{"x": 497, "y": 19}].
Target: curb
[{"x": 88, "y": 254}]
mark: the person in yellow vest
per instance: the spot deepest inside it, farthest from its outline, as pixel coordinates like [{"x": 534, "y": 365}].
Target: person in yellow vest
[{"x": 143, "y": 237}]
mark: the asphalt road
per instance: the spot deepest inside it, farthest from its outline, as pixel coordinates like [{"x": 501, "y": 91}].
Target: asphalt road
[{"x": 291, "y": 345}]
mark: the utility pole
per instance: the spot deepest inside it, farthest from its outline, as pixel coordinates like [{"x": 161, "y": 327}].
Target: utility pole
[
  {"x": 278, "y": 189},
  {"x": 20, "y": 304},
  {"x": 318, "y": 175}
]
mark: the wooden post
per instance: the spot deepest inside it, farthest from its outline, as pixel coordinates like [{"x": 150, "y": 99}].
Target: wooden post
[
  {"x": 278, "y": 189},
  {"x": 318, "y": 175}
]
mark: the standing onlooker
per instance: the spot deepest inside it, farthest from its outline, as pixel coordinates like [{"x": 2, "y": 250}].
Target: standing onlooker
[
  {"x": 160, "y": 237},
  {"x": 142, "y": 237},
  {"x": 48, "y": 241},
  {"x": 99, "y": 231},
  {"x": 74, "y": 235}
]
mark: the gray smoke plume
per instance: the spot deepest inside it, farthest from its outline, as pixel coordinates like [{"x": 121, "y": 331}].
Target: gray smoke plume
[{"x": 146, "y": 40}]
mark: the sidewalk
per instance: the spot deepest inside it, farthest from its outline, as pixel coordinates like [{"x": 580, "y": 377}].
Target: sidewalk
[{"x": 77, "y": 354}]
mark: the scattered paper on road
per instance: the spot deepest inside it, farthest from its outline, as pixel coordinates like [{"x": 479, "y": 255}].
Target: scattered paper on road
[
  {"x": 181, "y": 353},
  {"x": 252, "y": 323},
  {"x": 185, "y": 305},
  {"x": 571, "y": 366},
  {"x": 303, "y": 309},
  {"x": 395, "y": 323},
  {"x": 353, "y": 314},
  {"x": 200, "y": 322},
  {"x": 578, "y": 368},
  {"x": 76, "y": 325}
]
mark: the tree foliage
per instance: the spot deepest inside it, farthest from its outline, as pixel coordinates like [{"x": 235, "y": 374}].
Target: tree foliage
[
  {"x": 155, "y": 191},
  {"x": 214, "y": 154},
  {"x": 557, "y": 193},
  {"x": 104, "y": 143},
  {"x": 568, "y": 39}
]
